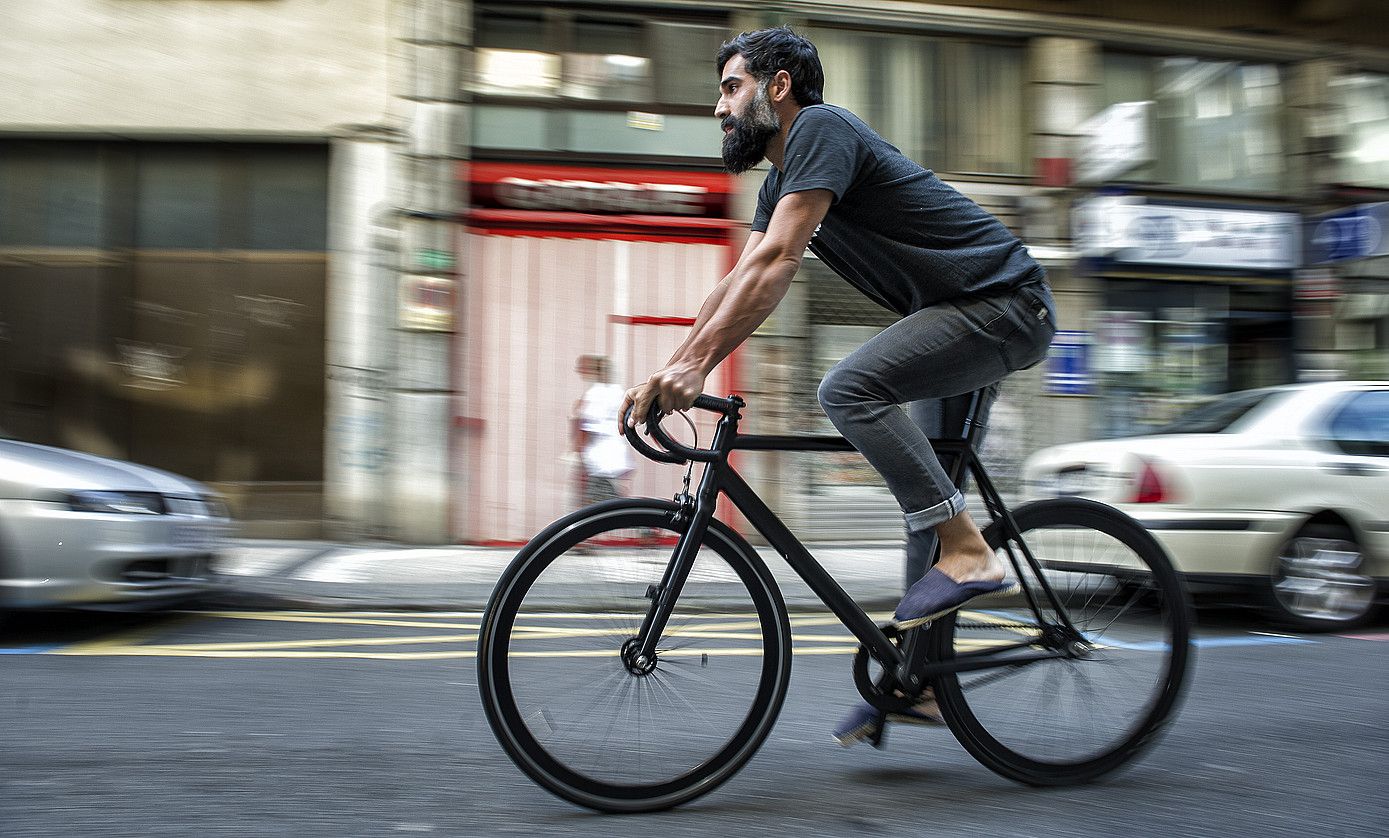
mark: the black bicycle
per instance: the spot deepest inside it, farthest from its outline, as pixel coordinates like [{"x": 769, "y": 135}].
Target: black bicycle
[{"x": 673, "y": 674}]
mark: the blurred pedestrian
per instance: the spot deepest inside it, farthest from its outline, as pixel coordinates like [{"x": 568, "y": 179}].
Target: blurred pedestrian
[{"x": 603, "y": 454}]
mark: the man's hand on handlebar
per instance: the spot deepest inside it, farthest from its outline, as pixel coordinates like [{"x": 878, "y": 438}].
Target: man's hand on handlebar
[{"x": 673, "y": 389}]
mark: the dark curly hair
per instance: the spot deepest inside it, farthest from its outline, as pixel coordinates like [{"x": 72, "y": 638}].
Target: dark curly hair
[{"x": 778, "y": 48}]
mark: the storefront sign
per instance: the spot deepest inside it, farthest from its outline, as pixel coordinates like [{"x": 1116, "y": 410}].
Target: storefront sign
[
  {"x": 1114, "y": 141},
  {"x": 590, "y": 190},
  {"x": 1129, "y": 229},
  {"x": 1354, "y": 233},
  {"x": 1068, "y": 364}
]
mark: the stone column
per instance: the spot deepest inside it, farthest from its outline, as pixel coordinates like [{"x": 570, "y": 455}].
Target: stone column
[
  {"x": 434, "y": 40},
  {"x": 1064, "y": 73},
  {"x": 1316, "y": 129},
  {"x": 362, "y": 244}
]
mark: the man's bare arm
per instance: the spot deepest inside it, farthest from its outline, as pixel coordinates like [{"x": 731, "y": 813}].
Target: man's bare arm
[
  {"x": 758, "y": 283},
  {"x": 716, "y": 295},
  {"x": 748, "y": 296}
]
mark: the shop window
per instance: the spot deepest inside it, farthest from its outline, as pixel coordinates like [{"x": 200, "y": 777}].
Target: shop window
[
  {"x": 237, "y": 197},
  {"x": 609, "y": 63},
  {"x": 511, "y": 60},
  {"x": 179, "y": 193},
  {"x": 511, "y": 30},
  {"x": 202, "y": 197},
  {"x": 288, "y": 200},
  {"x": 1129, "y": 78},
  {"x": 951, "y": 105},
  {"x": 684, "y": 55},
  {"x": 891, "y": 82},
  {"x": 602, "y": 59},
  {"x": 1218, "y": 124},
  {"x": 511, "y": 72},
  {"x": 1363, "y": 101},
  {"x": 52, "y": 196},
  {"x": 987, "y": 132}
]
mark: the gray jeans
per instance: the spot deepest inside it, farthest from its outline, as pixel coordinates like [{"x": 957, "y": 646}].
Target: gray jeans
[{"x": 939, "y": 355}]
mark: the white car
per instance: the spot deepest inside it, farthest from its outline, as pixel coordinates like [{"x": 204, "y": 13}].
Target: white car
[
  {"x": 1283, "y": 492},
  {"x": 77, "y": 529}
]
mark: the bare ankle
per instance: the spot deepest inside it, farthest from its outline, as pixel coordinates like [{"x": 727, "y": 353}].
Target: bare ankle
[{"x": 965, "y": 555}]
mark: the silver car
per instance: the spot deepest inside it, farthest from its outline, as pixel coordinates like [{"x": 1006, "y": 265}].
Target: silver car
[{"x": 80, "y": 529}]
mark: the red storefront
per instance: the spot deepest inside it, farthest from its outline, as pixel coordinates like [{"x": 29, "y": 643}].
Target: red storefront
[{"x": 566, "y": 261}]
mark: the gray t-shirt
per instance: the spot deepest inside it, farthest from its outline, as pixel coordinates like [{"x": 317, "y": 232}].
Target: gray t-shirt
[{"x": 894, "y": 230}]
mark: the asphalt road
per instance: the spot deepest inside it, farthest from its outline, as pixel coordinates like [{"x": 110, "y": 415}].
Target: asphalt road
[{"x": 368, "y": 724}]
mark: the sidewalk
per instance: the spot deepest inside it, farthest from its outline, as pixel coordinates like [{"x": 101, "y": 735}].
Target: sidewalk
[{"x": 318, "y": 575}]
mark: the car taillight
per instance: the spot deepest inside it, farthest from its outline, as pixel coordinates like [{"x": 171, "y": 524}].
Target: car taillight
[{"x": 1149, "y": 487}]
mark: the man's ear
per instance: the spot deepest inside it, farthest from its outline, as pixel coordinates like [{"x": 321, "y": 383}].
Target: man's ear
[{"x": 781, "y": 86}]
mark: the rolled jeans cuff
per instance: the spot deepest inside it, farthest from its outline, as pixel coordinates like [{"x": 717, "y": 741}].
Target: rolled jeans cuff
[{"x": 938, "y": 514}]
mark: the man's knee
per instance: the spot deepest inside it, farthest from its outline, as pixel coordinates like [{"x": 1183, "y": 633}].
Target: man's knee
[{"x": 843, "y": 386}]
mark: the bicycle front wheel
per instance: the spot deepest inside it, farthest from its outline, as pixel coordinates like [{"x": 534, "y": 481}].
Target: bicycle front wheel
[
  {"x": 1077, "y": 717},
  {"x": 590, "y": 723}
]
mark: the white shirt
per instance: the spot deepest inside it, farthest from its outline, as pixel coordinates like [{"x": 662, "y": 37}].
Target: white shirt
[{"x": 607, "y": 453}]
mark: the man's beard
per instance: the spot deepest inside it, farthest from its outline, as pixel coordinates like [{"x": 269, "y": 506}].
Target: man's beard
[{"x": 746, "y": 145}]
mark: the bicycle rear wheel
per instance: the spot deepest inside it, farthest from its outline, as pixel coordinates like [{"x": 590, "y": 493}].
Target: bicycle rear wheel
[
  {"x": 1076, "y": 718},
  {"x": 590, "y": 723}
]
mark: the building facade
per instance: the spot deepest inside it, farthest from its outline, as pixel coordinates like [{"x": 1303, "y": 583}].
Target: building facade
[
  {"x": 341, "y": 259},
  {"x": 164, "y": 206}
]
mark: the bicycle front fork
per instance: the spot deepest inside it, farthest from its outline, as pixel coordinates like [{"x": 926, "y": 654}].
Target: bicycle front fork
[{"x": 697, "y": 513}]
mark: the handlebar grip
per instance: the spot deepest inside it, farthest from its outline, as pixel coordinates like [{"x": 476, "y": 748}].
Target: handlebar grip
[
  {"x": 642, "y": 448},
  {"x": 728, "y": 407},
  {"x": 675, "y": 452},
  {"x": 704, "y": 401}
]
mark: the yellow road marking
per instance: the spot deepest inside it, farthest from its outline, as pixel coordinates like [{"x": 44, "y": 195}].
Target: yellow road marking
[
  {"x": 353, "y": 621},
  {"x": 295, "y": 654},
  {"x": 439, "y": 615},
  {"x": 132, "y": 643},
  {"x": 119, "y": 640},
  {"x": 265, "y": 645},
  {"x": 176, "y": 652}
]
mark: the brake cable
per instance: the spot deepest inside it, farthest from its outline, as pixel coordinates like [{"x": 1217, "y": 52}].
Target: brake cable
[{"x": 685, "y": 499}]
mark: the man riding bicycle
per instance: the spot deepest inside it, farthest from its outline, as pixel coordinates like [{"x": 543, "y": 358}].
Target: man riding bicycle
[{"x": 974, "y": 305}]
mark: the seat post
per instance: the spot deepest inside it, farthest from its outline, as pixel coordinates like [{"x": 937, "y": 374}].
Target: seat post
[
  {"x": 974, "y": 428},
  {"x": 974, "y": 425}
]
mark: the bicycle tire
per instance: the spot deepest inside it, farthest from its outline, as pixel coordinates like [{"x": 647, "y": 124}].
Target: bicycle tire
[
  {"x": 581, "y": 769},
  {"x": 1007, "y": 730}
]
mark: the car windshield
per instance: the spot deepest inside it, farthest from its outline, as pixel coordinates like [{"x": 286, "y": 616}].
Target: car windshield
[{"x": 1217, "y": 416}]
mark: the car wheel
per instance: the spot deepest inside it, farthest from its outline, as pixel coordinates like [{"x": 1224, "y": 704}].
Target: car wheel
[{"x": 1318, "y": 581}]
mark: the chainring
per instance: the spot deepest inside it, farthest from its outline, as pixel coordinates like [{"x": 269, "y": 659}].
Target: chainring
[{"x": 885, "y": 693}]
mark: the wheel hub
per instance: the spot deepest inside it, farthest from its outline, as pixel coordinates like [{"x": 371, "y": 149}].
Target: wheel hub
[
  {"x": 635, "y": 662},
  {"x": 1080, "y": 649}
]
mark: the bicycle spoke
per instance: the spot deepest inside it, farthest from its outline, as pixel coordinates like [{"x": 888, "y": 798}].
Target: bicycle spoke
[
  {"x": 611, "y": 726},
  {"x": 1075, "y": 714}
]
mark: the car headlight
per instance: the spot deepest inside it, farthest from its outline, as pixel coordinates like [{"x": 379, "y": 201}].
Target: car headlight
[
  {"x": 216, "y": 507},
  {"x": 194, "y": 507},
  {"x": 121, "y": 503}
]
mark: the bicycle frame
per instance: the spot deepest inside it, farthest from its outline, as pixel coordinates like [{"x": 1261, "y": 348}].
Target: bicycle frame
[{"x": 909, "y": 669}]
